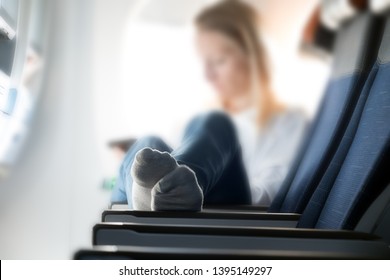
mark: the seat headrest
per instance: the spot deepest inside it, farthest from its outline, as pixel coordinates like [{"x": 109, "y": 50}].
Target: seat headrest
[
  {"x": 357, "y": 44},
  {"x": 334, "y": 12},
  {"x": 379, "y": 6}
]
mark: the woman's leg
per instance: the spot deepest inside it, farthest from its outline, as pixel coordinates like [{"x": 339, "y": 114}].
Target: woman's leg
[
  {"x": 123, "y": 188},
  {"x": 210, "y": 169},
  {"x": 210, "y": 147}
]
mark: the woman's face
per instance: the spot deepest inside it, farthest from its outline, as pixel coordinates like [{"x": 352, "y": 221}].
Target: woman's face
[{"x": 226, "y": 66}]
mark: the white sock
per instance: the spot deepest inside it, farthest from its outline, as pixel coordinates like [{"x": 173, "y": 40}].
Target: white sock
[
  {"x": 148, "y": 168},
  {"x": 160, "y": 184},
  {"x": 178, "y": 191}
]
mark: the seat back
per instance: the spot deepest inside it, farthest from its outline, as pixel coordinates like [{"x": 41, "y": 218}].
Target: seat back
[
  {"x": 356, "y": 48},
  {"x": 363, "y": 173}
]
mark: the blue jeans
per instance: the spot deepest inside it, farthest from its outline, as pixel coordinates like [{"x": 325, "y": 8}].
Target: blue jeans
[{"x": 211, "y": 149}]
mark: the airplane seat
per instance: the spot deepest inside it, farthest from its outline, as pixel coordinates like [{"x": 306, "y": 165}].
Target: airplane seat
[
  {"x": 355, "y": 51},
  {"x": 363, "y": 172}
]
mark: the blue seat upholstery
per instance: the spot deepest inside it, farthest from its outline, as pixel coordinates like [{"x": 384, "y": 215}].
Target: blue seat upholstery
[
  {"x": 364, "y": 170},
  {"x": 355, "y": 53}
]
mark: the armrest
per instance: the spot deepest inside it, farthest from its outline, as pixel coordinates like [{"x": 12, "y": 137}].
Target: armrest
[
  {"x": 202, "y": 218},
  {"x": 192, "y": 230},
  {"x": 234, "y": 208},
  {"x": 165, "y": 253},
  {"x": 356, "y": 249},
  {"x": 267, "y": 241},
  {"x": 211, "y": 208}
]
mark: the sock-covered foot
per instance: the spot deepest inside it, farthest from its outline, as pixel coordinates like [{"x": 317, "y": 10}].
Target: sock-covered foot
[
  {"x": 148, "y": 168},
  {"x": 178, "y": 191}
]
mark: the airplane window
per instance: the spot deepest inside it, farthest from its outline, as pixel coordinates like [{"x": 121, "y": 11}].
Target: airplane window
[{"x": 23, "y": 88}]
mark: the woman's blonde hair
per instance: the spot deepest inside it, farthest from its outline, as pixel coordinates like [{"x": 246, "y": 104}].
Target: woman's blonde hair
[{"x": 239, "y": 21}]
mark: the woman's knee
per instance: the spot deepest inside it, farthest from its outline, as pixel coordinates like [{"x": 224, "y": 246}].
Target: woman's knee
[
  {"x": 214, "y": 123},
  {"x": 211, "y": 119},
  {"x": 218, "y": 119},
  {"x": 220, "y": 123}
]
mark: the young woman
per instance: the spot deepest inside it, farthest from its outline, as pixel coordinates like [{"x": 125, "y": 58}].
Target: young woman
[{"x": 240, "y": 155}]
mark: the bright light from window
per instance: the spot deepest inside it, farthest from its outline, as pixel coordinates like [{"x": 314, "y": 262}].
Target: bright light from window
[{"x": 162, "y": 79}]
